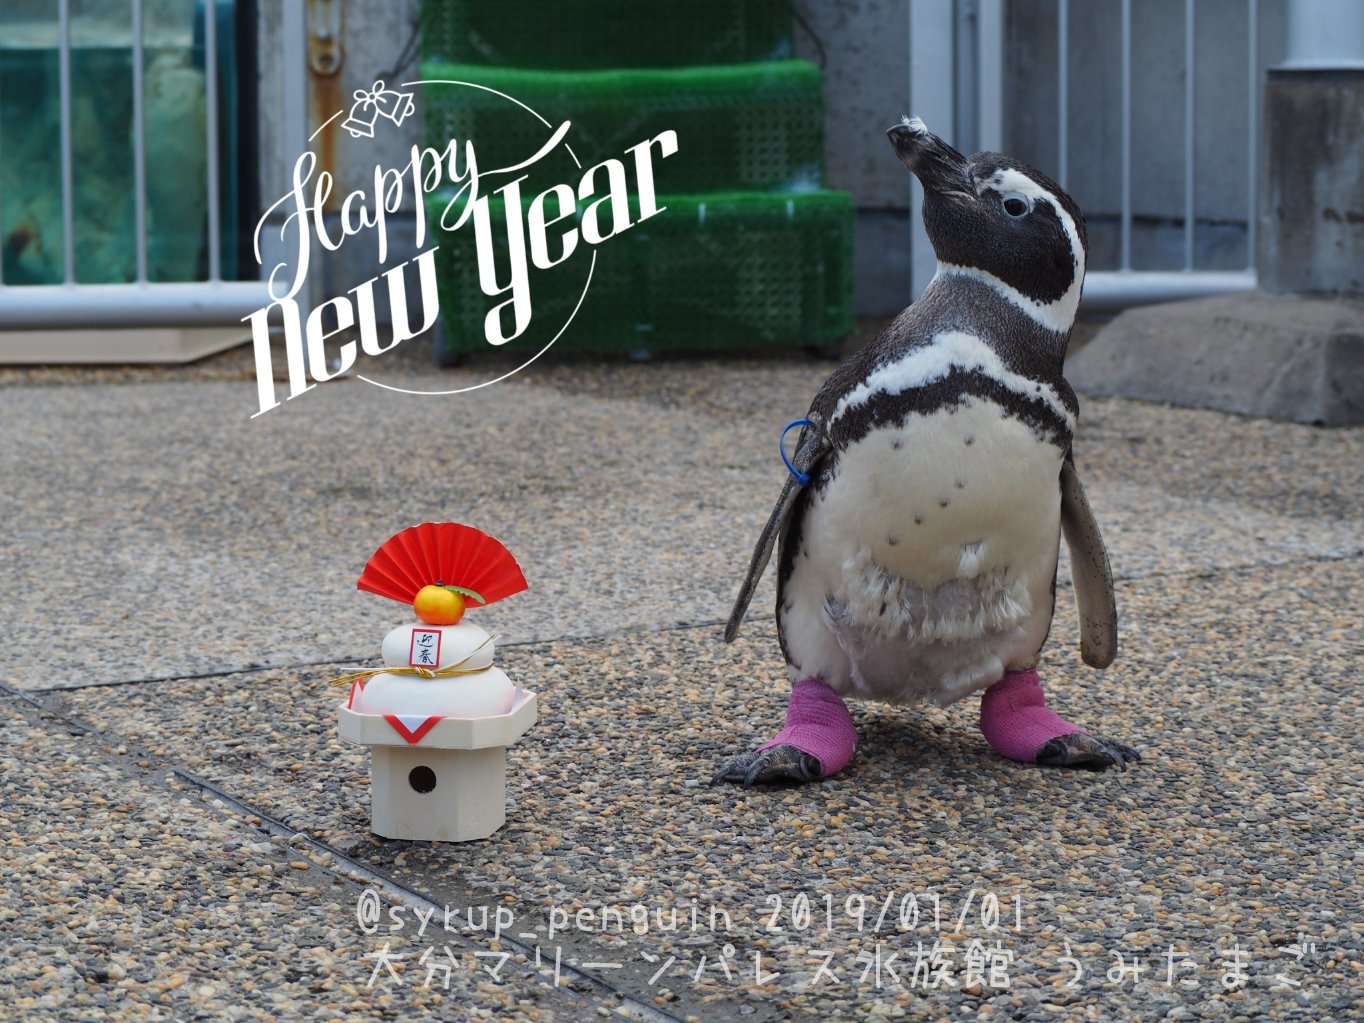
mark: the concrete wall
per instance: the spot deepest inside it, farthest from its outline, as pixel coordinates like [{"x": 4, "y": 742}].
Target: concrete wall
[
  {"x": 1312, "y": 214},
  {"x": 864, "y": 48}
]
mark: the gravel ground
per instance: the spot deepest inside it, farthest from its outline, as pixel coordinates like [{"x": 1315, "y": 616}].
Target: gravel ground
[
  {"x": 631, "y": 493},
  {"x": 1226, "y": 834},
  {"x": 201, "y": 850},
  {"x": 129, "y": 895}
]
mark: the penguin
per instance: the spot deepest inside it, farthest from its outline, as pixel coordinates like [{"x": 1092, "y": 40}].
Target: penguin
[{"x": 919, "y": 529}]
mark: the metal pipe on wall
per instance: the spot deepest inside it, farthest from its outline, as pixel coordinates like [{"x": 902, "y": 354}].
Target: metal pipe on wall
[
  {"x": 211, "y": 138},
  {"x": 1189, "y": 152},
  {"x": 931, "y": 74},
  {"x": 1113, "y": 290},
  {"x": 1125, "y": 226},
  {"x": 1325, "y": 34},
  {"x": 1253, "y": 132},
  {"x": 64, "y": 94},
  {"x": 1062, "y": 89},
  {"x": 38, "y": 306},
  {"x": 139, "y": 146},
  {"x": 990, "y": 61}
]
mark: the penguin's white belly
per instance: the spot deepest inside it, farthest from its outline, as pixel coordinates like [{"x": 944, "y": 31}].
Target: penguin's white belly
[{"x": 930, "y": 558}]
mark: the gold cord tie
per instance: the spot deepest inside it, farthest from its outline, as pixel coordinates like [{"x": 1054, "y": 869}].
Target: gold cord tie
[{"x": 449, "y": 671}]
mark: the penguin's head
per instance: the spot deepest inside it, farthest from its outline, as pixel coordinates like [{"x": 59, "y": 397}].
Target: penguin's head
[{"x": 997, "y": 218}]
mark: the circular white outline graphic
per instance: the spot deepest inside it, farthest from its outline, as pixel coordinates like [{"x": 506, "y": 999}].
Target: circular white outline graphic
[{"x": 586, "y": 284}]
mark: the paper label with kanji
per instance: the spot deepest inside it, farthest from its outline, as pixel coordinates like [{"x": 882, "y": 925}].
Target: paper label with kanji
[{"x": 425, "y": 651}]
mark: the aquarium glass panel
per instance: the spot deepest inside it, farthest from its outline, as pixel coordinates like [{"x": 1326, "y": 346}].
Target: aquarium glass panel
[{"x": 103, "y": 140}]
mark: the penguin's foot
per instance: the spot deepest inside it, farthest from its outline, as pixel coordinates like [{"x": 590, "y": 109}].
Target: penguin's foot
[
  {"x": 818, "y": 740},
  {"x": 1080, "y": 749},
  {"x": 1017, "y": 722},
  {"x": 772, "y": 764}
]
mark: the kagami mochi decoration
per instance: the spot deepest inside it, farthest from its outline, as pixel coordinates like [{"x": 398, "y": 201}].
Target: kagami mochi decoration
[{"x": 438, "y": 715}]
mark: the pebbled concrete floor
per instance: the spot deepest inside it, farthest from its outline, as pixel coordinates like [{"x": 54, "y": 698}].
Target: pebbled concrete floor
[{"x": 187, "y": 838}]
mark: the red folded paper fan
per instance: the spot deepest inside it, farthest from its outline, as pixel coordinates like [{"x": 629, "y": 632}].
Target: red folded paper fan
[{"x": 445, "y": 552}]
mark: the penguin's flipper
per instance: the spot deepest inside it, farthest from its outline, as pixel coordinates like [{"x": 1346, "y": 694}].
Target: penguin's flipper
[
  {"x": 762, "y": 554},
  {"x": 1090, "y": 572},
  {"x": 811, "y": 447}
]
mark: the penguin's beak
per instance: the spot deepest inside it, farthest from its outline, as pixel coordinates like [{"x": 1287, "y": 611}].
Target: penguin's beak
[{"x": 938, "y": 166}]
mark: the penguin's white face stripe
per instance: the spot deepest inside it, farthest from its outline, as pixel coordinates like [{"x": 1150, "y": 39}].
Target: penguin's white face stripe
[
  {"x": 948, "y": 350},
  {"x": 1058, "y": 315},
  {"x": 1009, "y": 180}
]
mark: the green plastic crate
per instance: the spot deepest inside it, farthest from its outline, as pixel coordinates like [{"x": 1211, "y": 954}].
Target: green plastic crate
[
  {"x": 741, "y": 127},
  {"x": 575, "y": 35},
  {"x": 721, "y": 270}
]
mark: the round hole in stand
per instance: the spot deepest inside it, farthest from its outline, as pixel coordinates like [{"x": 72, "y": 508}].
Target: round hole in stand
[{"x": 422, "y": 779}]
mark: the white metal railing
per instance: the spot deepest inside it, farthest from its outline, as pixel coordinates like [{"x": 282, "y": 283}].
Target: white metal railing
[
  {"x": 937, "y": 31},
  {"x": 142, "y": 301},
  {"x": 1190, "y": 152}
]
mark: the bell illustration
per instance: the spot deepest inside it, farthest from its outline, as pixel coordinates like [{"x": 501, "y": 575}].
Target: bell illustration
[
  {"x": 363, "y": 113},
  {"x": 371, "y": 104}
]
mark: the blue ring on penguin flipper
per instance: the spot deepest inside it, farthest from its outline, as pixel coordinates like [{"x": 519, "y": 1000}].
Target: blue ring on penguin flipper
[{"x": 803, "y": 478}]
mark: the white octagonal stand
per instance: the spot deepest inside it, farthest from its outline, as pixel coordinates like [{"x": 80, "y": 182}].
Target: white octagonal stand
[{"x": 451, "y": 785}]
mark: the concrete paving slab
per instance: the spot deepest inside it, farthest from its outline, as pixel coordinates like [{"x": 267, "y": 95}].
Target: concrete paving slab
[
  {"x": 127, "y": 896},
  {"x": 1286, "y": 469},
  {"x": 161, "y": 533},
  {"x": 157, "y": 533},
  {"x": 1233, "y": 833},
  {"x": 177, "y": 537}
]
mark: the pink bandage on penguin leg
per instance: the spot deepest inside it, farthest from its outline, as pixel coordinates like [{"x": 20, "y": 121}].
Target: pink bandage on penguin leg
[
  {"x": 1015, "y": 719},
  {"x": 818, "y": 724}
]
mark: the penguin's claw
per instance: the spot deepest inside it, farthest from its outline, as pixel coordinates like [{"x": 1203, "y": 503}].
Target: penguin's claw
[
  {"x": 778, "y": 764},
  {"x": 1079, "y": 749}
]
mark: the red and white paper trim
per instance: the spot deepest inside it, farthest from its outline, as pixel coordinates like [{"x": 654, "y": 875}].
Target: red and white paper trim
[{"x": 413, "y": 727}]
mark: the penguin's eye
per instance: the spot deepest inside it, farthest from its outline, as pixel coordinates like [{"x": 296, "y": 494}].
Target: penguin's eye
[{"x": 1016, "y": 206}]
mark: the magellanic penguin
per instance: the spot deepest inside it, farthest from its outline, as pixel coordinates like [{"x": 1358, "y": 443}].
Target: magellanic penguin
[{"x": 920, "y": 525}]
